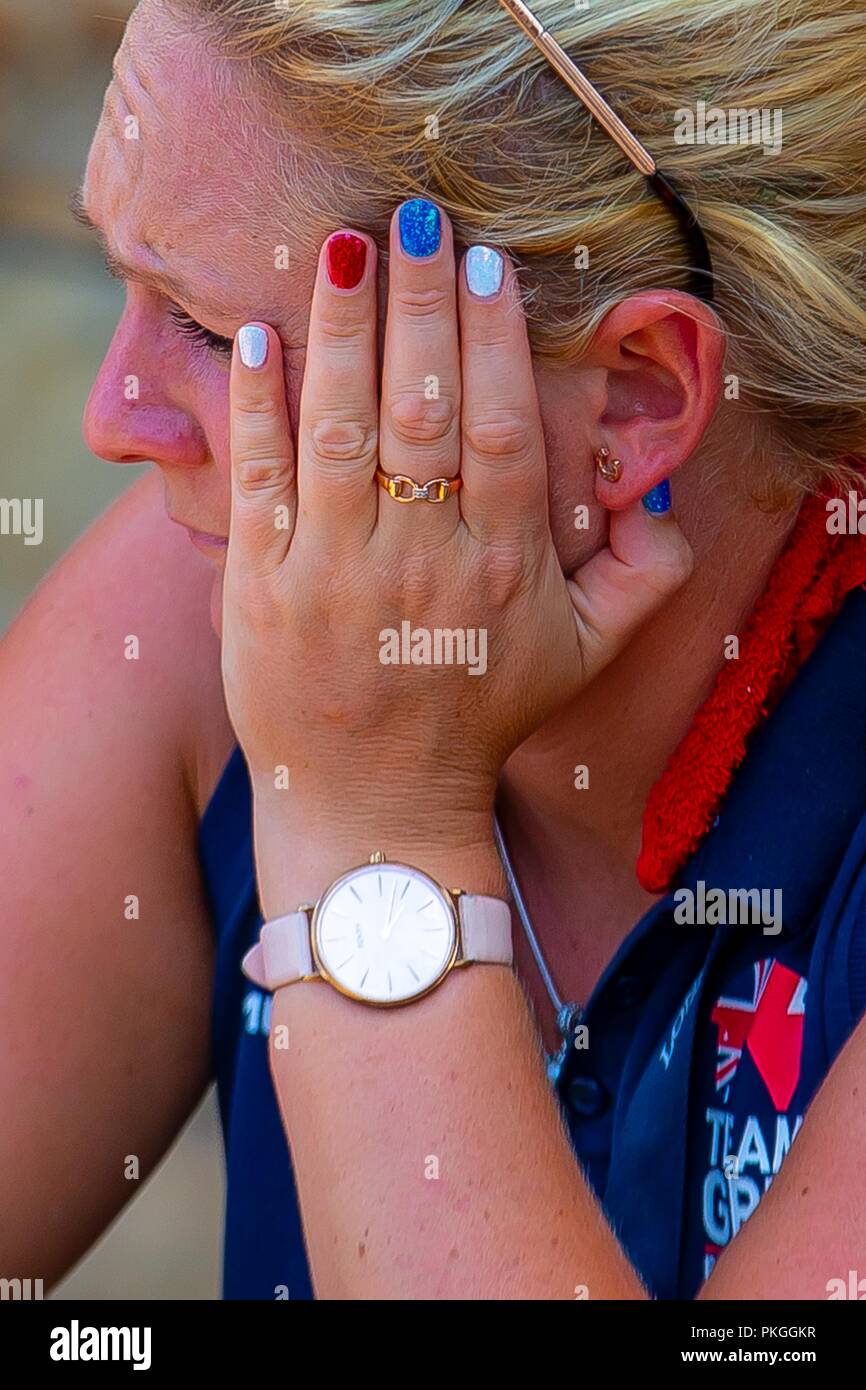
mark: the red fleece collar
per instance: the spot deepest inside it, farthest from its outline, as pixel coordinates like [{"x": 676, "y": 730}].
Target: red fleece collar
[{"x": 806, "y": 588}]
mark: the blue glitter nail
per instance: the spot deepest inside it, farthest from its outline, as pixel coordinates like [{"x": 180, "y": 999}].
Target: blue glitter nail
[
  {"x": 658, "y": 500},
  {"x": 420, "y": 227}
]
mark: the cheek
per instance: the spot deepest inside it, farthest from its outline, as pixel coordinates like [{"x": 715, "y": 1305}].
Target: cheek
[
  {"x": 208, "y": 402},
  {"x": 578, "y": 535},
  {"x": 578, "y": 522},
  {"x": 193, "y": 380},
  {"x": 215, "y": 420}
]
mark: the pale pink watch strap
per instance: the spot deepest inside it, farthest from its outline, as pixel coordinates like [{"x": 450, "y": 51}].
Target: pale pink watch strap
[
  {"x": 485, "y": 926},
  {"x": 283, "y": 955}
]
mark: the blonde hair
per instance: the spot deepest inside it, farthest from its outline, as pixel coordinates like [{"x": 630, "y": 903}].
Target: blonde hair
[{"x": 447, "y": 98}]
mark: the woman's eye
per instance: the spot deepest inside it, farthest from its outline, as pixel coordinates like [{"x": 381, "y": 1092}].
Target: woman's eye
[{"x": 221, "y": 347}]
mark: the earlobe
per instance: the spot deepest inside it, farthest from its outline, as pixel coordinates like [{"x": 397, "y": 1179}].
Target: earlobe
[
  {"x": 663, "y": 353},
  {"x": 657, "y": 501}
]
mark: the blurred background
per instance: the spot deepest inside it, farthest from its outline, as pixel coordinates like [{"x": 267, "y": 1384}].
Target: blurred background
[{"x": 58, "y": 309}]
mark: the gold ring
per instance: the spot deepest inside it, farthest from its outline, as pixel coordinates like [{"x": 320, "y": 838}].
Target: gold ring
[{"x": 404, "y": 489}]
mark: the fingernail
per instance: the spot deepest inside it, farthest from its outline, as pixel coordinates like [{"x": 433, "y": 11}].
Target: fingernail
[
  {"x": 658, "y": 500},
  {"x": 346, "y": 259},
  {"x": 420, "y": 227},
  {"x": 484, "y": 269},
  {"x": 253, "y": 346}
]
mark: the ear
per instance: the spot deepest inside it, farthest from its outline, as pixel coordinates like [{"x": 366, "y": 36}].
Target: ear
[{"x": 661, "y": 355}]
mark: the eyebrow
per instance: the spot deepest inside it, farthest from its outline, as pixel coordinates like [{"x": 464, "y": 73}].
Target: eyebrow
[{"x": 122, "y": 270}]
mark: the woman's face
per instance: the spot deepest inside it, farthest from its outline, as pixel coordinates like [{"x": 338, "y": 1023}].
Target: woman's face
[
  {"x": 182, "y": 184},
  {"x": 176, "y": 188}
]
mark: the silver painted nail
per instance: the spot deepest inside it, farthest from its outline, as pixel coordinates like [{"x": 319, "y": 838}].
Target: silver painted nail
[
  {"x": 484, "y": 269},
  {"x": 253, "y": 346}
]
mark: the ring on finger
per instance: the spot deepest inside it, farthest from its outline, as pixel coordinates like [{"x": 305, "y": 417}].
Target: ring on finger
[{"x": 405, "y": 489}]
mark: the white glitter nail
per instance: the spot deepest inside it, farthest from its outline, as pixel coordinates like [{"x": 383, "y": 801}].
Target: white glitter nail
[
  {"x": 484, "y": 268},
  {"x": 253, "y": 346}
]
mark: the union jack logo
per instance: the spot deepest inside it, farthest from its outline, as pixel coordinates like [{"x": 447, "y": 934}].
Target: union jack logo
[{"x": 769, "y": 1024}]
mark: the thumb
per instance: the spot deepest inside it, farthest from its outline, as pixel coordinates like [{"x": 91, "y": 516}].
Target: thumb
[
  {"x": 263, "y": 456},
  {"x": 646, "y": 561}
]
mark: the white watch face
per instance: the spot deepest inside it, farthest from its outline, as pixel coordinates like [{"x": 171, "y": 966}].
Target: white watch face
[{"x": 384, "y": 933}]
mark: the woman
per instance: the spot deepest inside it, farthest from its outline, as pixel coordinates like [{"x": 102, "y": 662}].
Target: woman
[{"x": 244, "y": 177}]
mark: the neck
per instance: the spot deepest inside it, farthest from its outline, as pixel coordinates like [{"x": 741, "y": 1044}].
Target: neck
[{"x": 579, "y": 846}]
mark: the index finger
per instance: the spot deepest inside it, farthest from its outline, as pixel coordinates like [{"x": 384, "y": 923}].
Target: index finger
[{"x": 262, "y": 453}]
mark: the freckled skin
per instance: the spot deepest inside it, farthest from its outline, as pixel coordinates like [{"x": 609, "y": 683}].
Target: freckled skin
[
  {"x": 182, "y": 196},
  {"x": 192, "y": 194},
  {"x": 196, "y": 194}
]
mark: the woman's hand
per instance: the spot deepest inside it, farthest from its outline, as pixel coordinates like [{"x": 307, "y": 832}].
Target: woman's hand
[{"x": 327, "y": 573}]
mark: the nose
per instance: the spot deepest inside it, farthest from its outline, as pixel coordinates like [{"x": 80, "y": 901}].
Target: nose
[{"x": 130, "y": 416}]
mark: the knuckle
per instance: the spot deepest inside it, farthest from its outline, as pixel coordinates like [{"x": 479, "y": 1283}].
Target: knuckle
[
  {"x": 342, "y": 335},
  {"x": 489, "y": 348},
  {"x": 670, "y": 572},
  {"x": 416, "y": 582},
  {"x": 417, "y": 420},
  {"x": 260, "y": 472},
  {"x": 502, "y": 435},
  {"x": 342, "y": 441},
  {"x": 505, "y": 575},
  {"x": 255, "y": 406},
  {"x": 683, "y": 561},
  {"x": 255, "y": 598},
  {"x": 256, "y": 452},
  {"x": 423, "y": 304},
  {"x": 414, "y": 591}
]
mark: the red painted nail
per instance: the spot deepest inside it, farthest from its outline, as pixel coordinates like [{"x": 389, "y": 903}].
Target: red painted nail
[{"x": 347, "y": 256}]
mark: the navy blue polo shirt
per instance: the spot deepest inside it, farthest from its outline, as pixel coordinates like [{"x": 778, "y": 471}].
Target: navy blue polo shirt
[{"x": 706, "y": 1043}]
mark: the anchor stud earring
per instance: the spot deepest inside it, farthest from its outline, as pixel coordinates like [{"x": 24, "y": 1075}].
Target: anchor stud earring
[{"x": 610, "y": 469}]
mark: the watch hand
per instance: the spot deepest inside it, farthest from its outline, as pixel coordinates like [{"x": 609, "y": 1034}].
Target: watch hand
[{"x": 389, "y": 925}]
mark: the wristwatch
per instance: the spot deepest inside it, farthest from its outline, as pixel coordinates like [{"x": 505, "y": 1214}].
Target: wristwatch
[{"x": 383, "y": 934}]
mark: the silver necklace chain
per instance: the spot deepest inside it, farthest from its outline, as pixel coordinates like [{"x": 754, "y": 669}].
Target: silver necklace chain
[{"x": 566, "y": 1014}]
